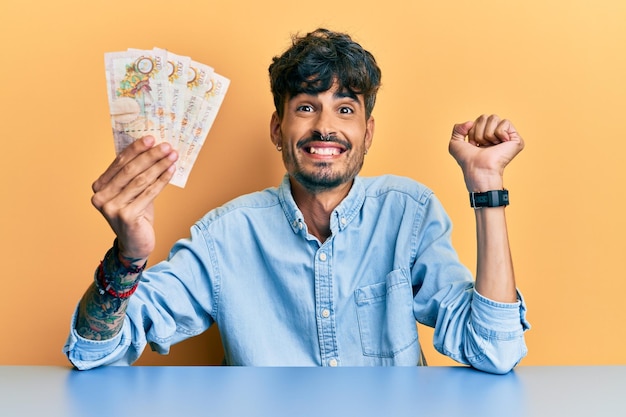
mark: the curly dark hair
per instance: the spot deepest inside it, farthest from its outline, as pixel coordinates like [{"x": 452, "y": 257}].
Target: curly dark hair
[{"x": 315, "y": 61}]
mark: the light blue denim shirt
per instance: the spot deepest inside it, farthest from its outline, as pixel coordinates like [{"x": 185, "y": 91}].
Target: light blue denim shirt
[{"x": 281, "y": 297}]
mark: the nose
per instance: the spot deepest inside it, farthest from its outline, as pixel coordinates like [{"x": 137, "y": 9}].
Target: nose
[{"x": 323, "y": 126}]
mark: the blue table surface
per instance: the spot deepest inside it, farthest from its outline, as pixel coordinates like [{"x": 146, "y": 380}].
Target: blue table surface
[{"x": 327, "y": 392}]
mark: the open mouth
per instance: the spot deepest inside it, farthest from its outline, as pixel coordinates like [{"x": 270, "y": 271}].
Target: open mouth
[{"x": 324, "y": 150}]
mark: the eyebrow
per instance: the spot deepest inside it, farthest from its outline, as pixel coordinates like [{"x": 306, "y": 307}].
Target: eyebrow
[{"x": 345, "y": 93}]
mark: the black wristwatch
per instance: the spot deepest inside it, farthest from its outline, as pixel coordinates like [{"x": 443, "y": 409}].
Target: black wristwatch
[{"x": 494, "y": 198}]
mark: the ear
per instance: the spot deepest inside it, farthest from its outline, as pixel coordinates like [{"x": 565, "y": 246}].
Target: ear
[
  {"x": 275, "y": 133},
  {"x": 369, "y": 132}
]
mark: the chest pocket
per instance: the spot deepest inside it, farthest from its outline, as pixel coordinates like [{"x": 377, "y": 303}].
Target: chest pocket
[{"x": 385, "y": 315}]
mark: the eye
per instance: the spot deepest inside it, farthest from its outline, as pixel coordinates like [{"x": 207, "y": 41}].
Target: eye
[
  {"x": 346, "y": 110},
  {"x": 304, "y": 108}
]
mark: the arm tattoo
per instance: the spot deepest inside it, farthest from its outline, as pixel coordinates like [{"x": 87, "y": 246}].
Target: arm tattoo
[{"x": 101, "y": 314}]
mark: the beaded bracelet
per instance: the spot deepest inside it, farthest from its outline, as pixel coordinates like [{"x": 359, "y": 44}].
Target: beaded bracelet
[{"x": 104, "y": 284}]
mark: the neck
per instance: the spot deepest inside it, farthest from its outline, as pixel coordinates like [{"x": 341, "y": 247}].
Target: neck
[{"x": 316, "y": 207}]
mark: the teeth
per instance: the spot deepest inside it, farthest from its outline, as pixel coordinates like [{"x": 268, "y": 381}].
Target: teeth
[{"x": 324, "y": 151}]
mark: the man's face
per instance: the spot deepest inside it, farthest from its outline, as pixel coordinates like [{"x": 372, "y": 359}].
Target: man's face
[{"x": 324, "y": 138}]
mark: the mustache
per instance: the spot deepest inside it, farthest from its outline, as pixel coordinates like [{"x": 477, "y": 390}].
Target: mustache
[{"x": 318, "y": 137}]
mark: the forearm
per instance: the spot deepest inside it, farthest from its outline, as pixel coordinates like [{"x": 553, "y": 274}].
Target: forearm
[
  {"x": 102, "y": 309},
  {"x": 100, "y": 316},
  {"x": 495, "y": 278}
]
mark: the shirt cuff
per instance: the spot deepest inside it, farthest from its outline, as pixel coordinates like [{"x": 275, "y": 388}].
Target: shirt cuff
[
  {"x": 85, "y": 353},
  {"x": 499, "y": 318}
]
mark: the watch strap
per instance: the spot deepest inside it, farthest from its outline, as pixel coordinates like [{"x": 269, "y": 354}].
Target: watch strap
[{"x": 493, "y": 198}]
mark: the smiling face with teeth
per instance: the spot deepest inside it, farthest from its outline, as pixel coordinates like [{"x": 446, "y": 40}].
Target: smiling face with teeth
[{"x": 324, "y": 138}]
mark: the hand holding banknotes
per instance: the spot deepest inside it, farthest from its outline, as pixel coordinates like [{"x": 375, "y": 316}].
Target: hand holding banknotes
[
  {"x": 162, "y": 106},
  {"x": 125, "y": 193}
]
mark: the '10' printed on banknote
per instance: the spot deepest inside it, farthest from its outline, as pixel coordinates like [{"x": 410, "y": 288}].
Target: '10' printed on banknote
[{"x": 168, "y": 96}]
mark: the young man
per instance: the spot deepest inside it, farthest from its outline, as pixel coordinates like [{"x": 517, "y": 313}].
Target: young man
[{"x": 327, "y": 269}]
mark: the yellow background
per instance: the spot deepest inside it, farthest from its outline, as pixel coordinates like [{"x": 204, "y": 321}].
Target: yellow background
[{"x": 556, "y": 69}]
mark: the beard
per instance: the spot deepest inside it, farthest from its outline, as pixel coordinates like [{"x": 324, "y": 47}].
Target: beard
[
  {"x": 321, "y": 180},
  {"x": 324, "y": 177}
]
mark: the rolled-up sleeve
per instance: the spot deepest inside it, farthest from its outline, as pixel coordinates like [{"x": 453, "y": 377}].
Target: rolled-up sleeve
[
  {"x": 87, "y": 354},
  {"x": 493, "y": 337}
]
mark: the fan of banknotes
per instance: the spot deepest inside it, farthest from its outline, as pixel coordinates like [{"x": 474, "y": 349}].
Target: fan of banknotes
[{"x": 171, "y": 97}]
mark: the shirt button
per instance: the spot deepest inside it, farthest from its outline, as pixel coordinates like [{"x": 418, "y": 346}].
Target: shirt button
[
  {"x": 325, "y": 313},
  {"x": 332, "y": 362},
  {"x": 343, "y": 221},
  {"x": 322, "y": 256}
]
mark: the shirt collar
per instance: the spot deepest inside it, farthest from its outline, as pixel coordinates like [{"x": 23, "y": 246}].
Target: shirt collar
[{"x": 341, "y": 217}]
